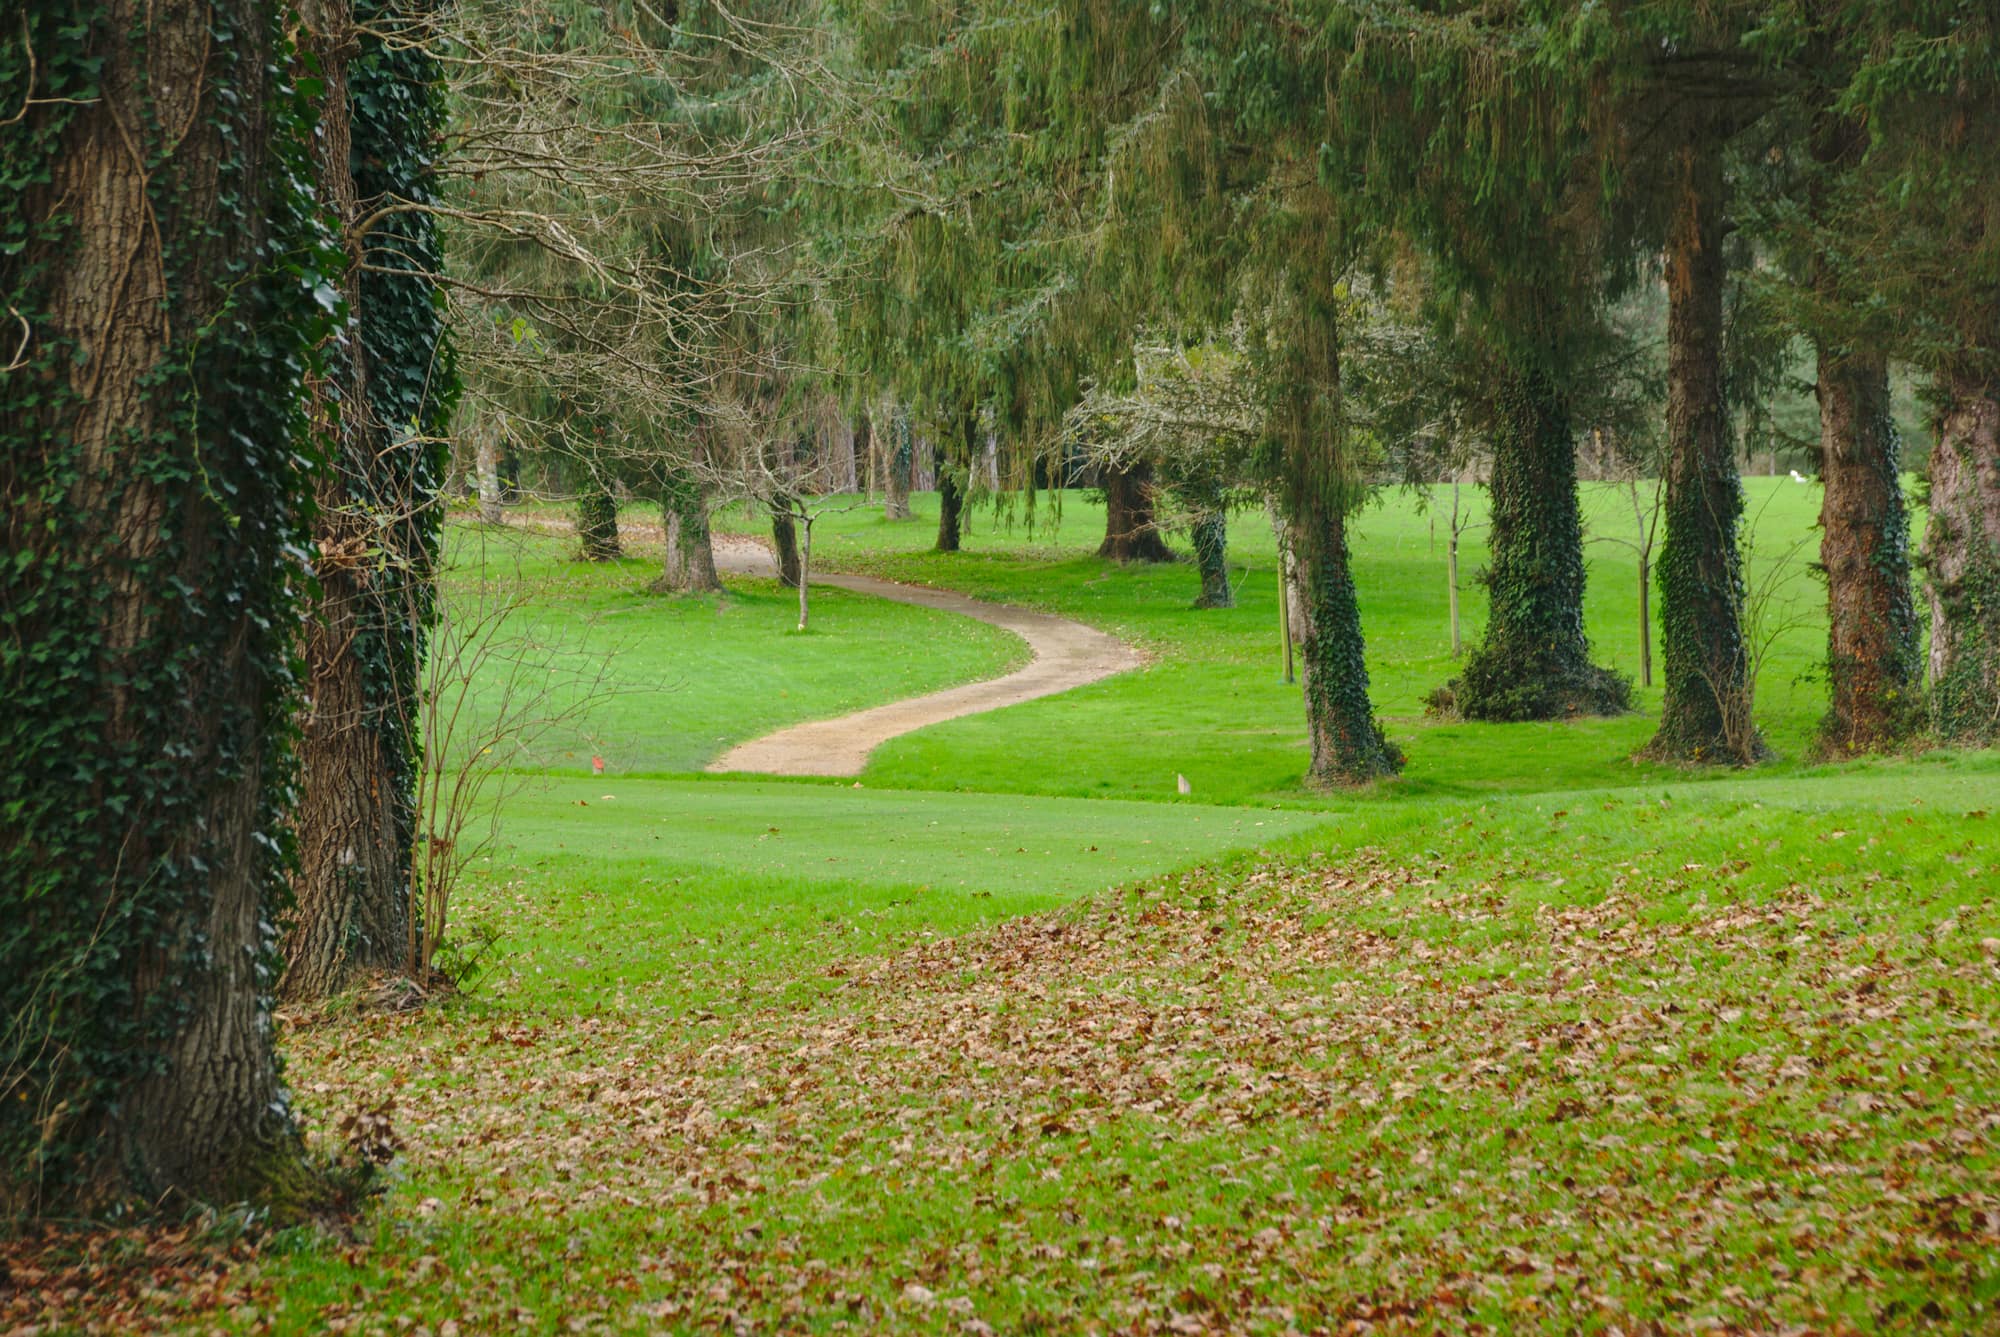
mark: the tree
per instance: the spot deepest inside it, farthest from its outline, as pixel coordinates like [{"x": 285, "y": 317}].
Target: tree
[
  {"x": 1873, "y": 654},
  {"x": 685, "y": 499},
  {"x": 1925, "y": 85},
  {"x": 1674, "y": 86},
  {"x": 1468, "y": 139},
  {"x": 162, "y": 257},
  {"x": 900, "y": 452},
  {"x": 1130, "y": 534},
  {"x": 1143, "y": 167},
  {"x": 383, "y": 408},
  {"x": 1195, "y": 412}
]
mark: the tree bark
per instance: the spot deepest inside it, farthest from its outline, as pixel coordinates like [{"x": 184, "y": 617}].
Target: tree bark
[
  {"x": 1129, "y": 532},
  {"x": 1451, "y": 590},
  {"x": 1346, "y": 745},
  {"x": 1873, "y": 662},
  {"x": 866, "y": 452},
  {"x": 1964, "y": 560},
  {"x": 1534, "y": 660},
  {"x": 1706, "y": 714},
  {"x": 486, "y": 469},
  {"x": 690, "y": 548},
  {"x": 352, "y": 912},
  {"x": 785, "y": 542},
  {"x": 901, "y": 455},
  {"x": 951, "y": 501},
  {"x": 150, "y": 485},
  {"x": 1210, "y": 537},
  {"x": 597, "y": 523}
]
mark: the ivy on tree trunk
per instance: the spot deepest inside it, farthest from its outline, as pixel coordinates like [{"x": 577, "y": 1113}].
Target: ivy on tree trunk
[
  {"x": 690, "y": 548},
  {"x": 901, "y": 459},
  {"x": 951, "y": 502},
  {"x": 1964, "y": 551},
  {"x": 152, "y": 471},
  {"x": 597, "y": 523},
  {"x": 384, "y": 406},
  {"x": 1210, "y": 538},
  {"x": 1874, "y": 665},
  {"x": 1706, "y": 712},
  {"x": 1534, "y": 663}
]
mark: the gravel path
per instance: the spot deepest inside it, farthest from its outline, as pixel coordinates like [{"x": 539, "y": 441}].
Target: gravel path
[{"x": 1067, "y": 654}]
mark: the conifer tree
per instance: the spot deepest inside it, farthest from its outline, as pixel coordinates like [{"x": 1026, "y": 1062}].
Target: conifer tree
[
  {"x": 1673, "y": 86},
  {"x": 1925, "y": 84},
  {"x": 1466, "y": 137}
]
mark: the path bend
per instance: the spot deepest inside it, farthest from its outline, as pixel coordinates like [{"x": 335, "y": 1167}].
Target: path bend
[{"x": 1066, "y": 654}]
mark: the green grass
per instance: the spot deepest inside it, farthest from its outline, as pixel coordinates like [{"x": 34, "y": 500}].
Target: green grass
[
  {"x": 684, "y": 679},
  {"x": 1532, "y": 1040},
  {"x": 1213, "y": 705},
  {"x": 678, "y": 896},
  {"x": 1688, "y": 1055}
]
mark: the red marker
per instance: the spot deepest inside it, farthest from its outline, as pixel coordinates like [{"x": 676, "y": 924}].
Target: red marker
[{"x": 597, "y": 765}]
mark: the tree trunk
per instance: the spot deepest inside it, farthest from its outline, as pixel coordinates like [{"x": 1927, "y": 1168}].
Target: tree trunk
[
  {"x": 1534, "y": 661},
  {"x": 510, "y": 476},
  {"x": 1645, "y": 621},
  {"x": 1872, "y": 655},
  {"x": 950, "y": 501},
  {"x": 352, "y": 912},
  {"x": 1706, "y": 714},
  {"x": 1451, "y": 584},
  {"x": 1210, "y": 536},
  {"x": 1964, "y": 559},
  {"x": 901, "y": 453},
  {"x": 690, "y": 549},
  {"x": 597, "y": 523},
  {"x": 785, "y": 542},
  {"x": 151, "y": 481},
  {"x": 1129, "y": 532},
  {"x": 353, "y": 904},
  {"x": 486, "y": 469},
  {"x": 866, "y": 450},
  {"x": 805, "y": 573},
  {"x": 1346, "y": 745}
]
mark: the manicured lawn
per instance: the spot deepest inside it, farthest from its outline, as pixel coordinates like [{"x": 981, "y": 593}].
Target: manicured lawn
[
  {"x": 673, "y": 682},
  {"x": 1716, "y": 1055},
  {"x": 1532, "y": 1040},
  {"x": 671, "y": 897},
  {"x": 1213, "y": 705}
]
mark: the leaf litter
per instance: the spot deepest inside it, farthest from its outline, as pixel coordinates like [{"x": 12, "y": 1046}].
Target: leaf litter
[{"x": 1338, "y": 1094}]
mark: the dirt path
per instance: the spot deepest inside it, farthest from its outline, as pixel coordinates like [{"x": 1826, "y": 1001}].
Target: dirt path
[{"x": 1067, "y": 654}]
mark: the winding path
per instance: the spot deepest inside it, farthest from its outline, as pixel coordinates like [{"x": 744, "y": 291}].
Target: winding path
[{"x": 1066, "y": 654}]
